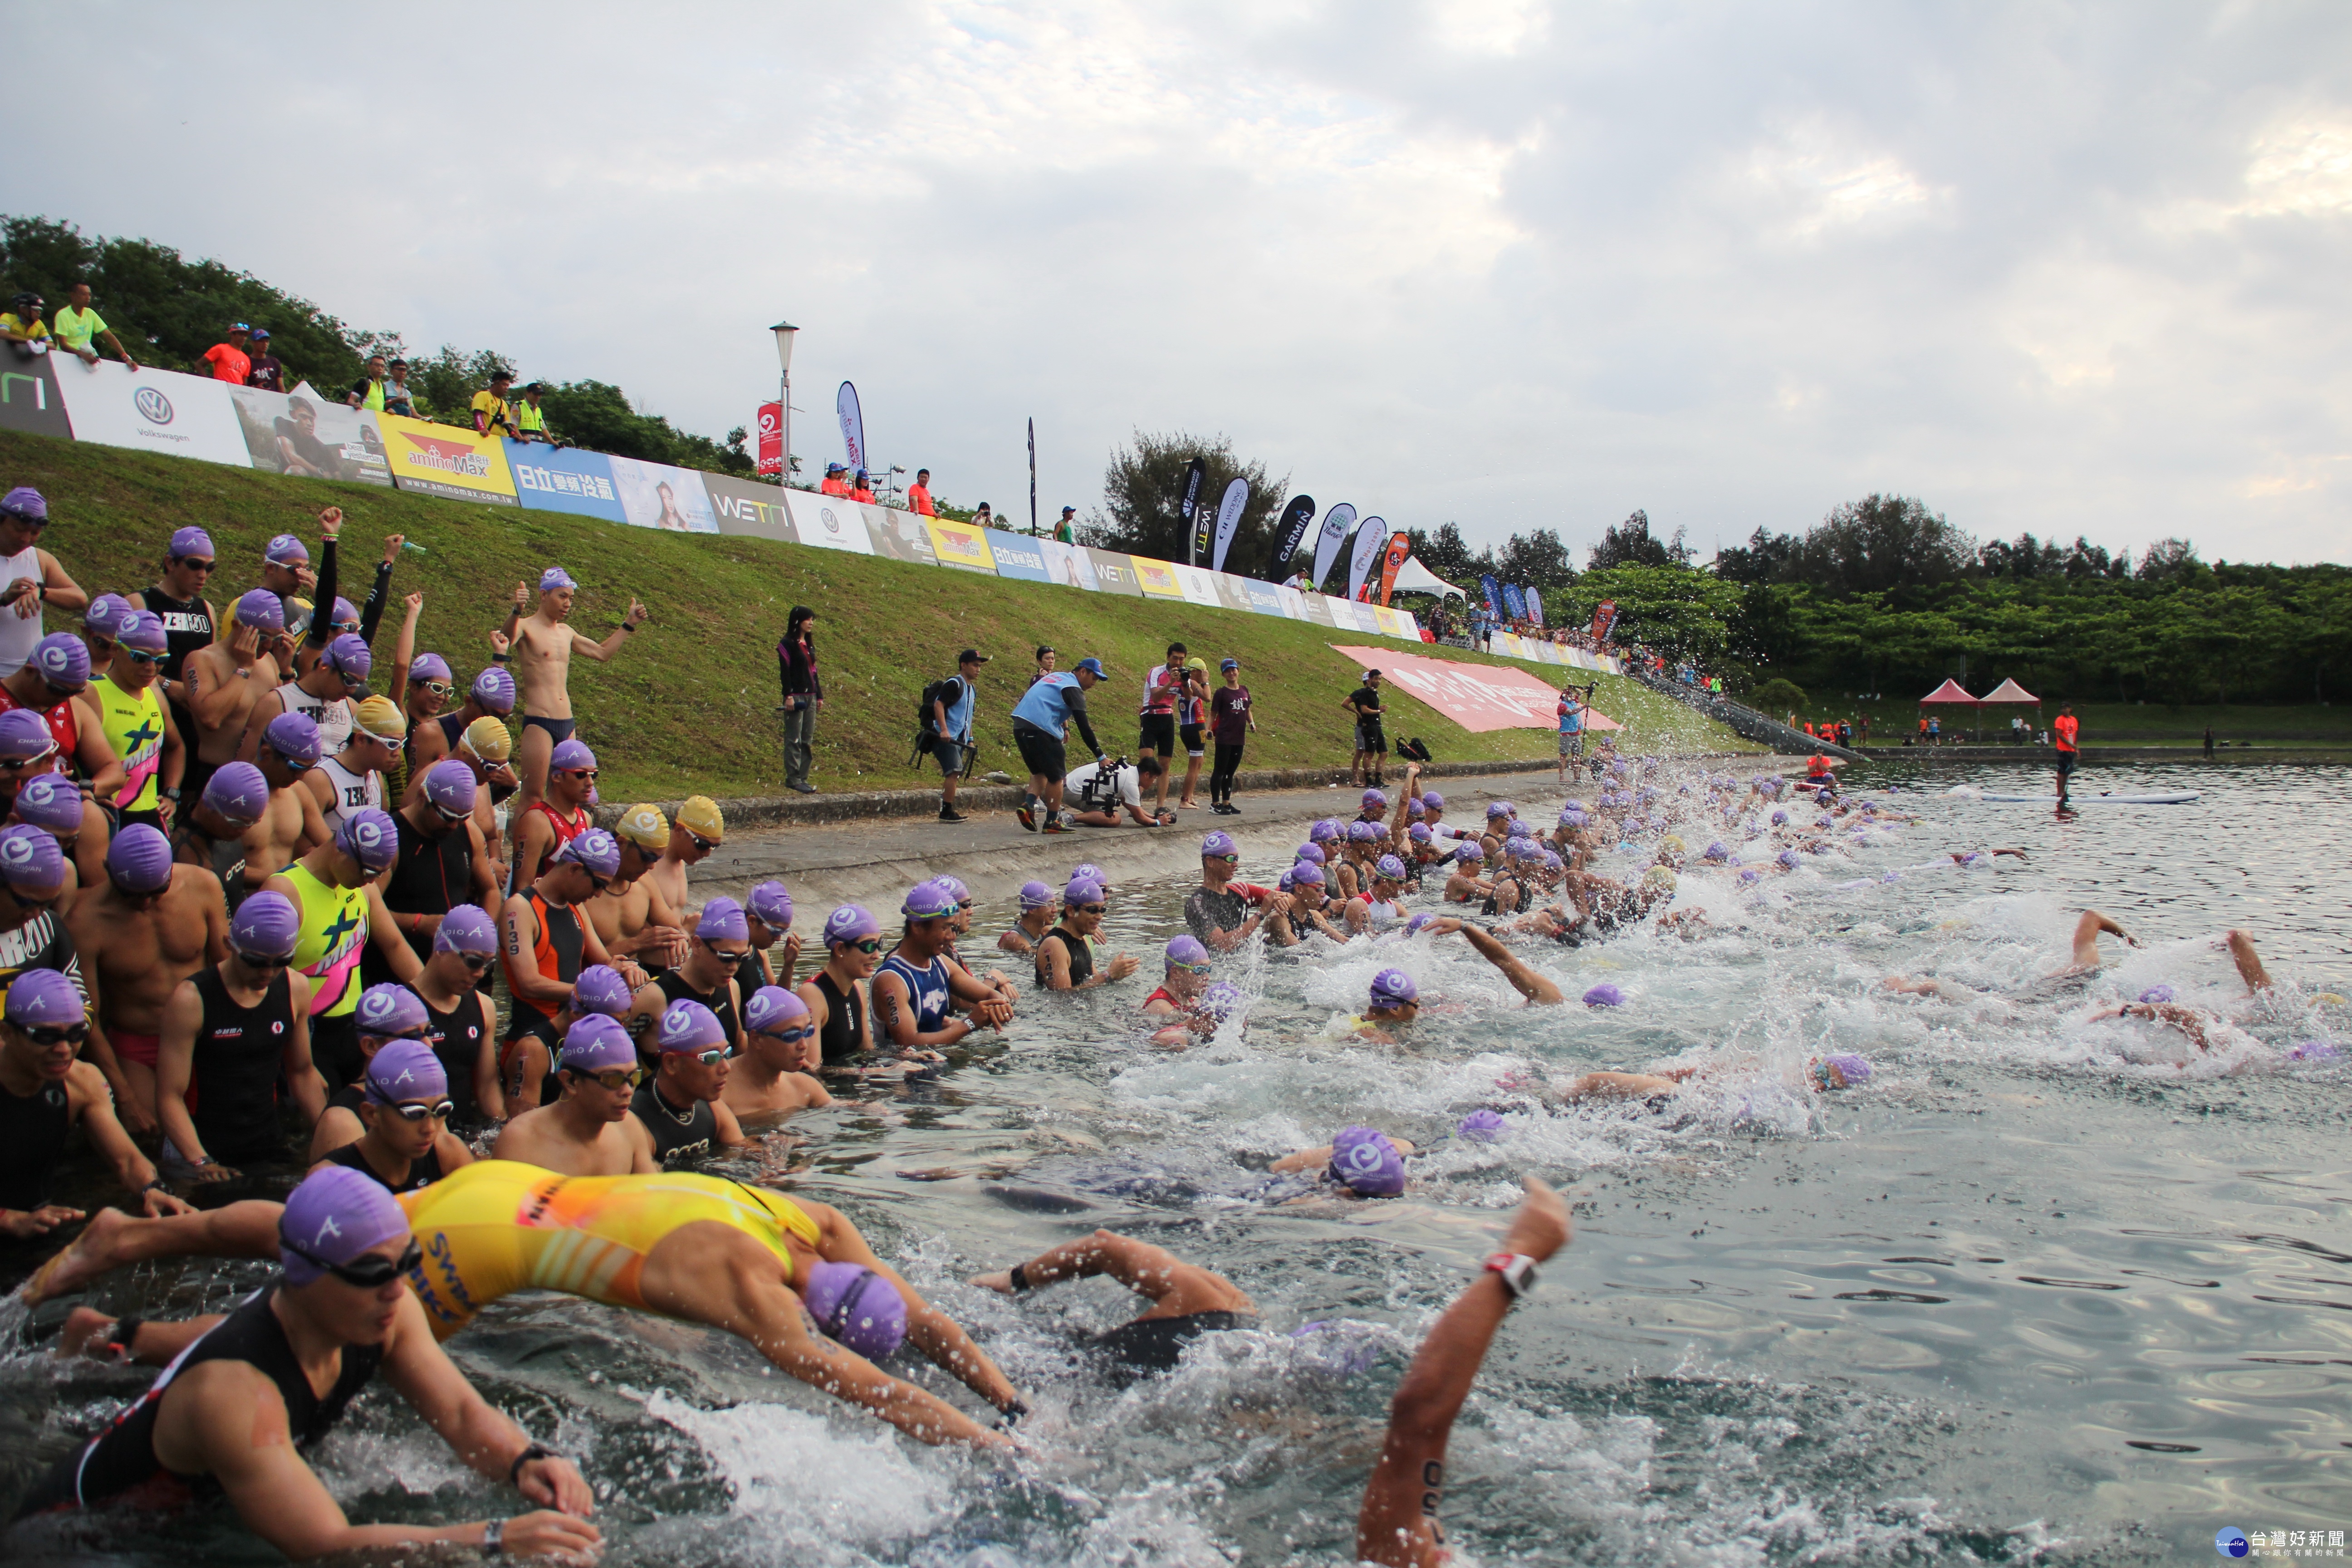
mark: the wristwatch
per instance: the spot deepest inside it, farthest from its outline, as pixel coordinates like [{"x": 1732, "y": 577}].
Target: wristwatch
[
  {"x": 1517, "y": 1270},
  {"x": 494, "y": 1538}
]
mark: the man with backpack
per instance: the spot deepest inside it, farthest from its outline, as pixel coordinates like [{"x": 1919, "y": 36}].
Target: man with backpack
[{"x": 946, "y": 719}]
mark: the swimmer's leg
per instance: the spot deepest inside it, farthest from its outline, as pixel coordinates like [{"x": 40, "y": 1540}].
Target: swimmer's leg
[
  {"x": 1174, "y": 1287},
  {"x": 112, "y": 1239},
  {"x": 1621, "y": 1086},
  {"x": 709, "y": 1273},
  {"x": 2248, "y": 961},
  {"x": 150, "y": 1343},
  {"x": 1539, "y": 991},
  {"x": 935, "y": 1334}
]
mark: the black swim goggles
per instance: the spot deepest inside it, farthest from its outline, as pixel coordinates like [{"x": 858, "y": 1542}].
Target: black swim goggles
[{"x": 371, "y": 1272}]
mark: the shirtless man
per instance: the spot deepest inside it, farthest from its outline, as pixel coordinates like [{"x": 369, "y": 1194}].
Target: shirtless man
[
  {"x": 150, "y": 925},
  {"x": 492, "y": 696},
  {"x": 2083, "y": 959},
  {"x": 290, "y": 826},
  {"x": 222, "y": 681},
  {"x": 548, "y": 941},
  {"x": 770, "y": 1078},
  {"x": 2155, "y": 1004},
  {"x": 631, "y": 918},
  {"x": 543, "y": 645},
  {"x": 560, "y": 813},
  {"x": 1187, "y": 1302},
  {"x": 699, "y": 829},
  {"x": 211, "y": 831},
  {"x": 589, "y": 1132},
  {"x": 325, "y": 693}
]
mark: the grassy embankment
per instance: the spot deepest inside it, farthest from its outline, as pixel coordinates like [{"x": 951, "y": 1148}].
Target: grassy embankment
[{"x": 689, "y": 705}]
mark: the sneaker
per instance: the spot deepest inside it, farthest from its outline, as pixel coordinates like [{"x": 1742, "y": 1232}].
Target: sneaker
[
  {"x": 1027, "y": 812},
  {"x": 1056, "y": 825},
  {"x": 949, "y": 814}
]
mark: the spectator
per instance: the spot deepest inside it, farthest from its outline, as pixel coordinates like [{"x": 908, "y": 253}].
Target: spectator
[
  {"x": 1192, "y": 726},
  {"x": 836, "y": 485},
  {"x": 21, "y": 325},
  {"x": 79, "y": 325},
  {"x": 228, "y": 360},
  {"x": 492, "y": 413},
  {"x": 1098, "y": 792},
  {"x": 397, "y": 397},
  {"x": 804, "y": 697},
  {"x": 918, "y": 494},
  {"x": 1371, "y": 741},
  {"x": 861, "y": 488},
  {"x": 1164, "y": 688},
  {"x": 368, "y": 392},
  {"x": 1044, "y": 665},
  {"x": 530, "y": 419},
  {"x": 1231, "y": 723},
  {"x": 267, "y": 370},
  {"x": 1067, "y": 529},
  {"x": 984, "y": 517},
  {"x": 952, "y": 700},
  {"x": 30, "y": 577},
  {"x": 1571, "y": 731}
]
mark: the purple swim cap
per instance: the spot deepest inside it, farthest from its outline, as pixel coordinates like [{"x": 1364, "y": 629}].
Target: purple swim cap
[
  {"x": 369, "y": 837},
  {"x": 493, "y": 691},
  {"x": 1306, "y": 874},
  {"x": 598, "y": 851},
  {"x": 1854, "y": 1069},
  {"x": 262, "y": 610},
  {"x": 1779, "y": 819},
  {"x": 1604, "y": 996},
  {"x": 287, "y": 551},
  {"x": 1432, "y": 801},
  {"x": 1323, "y": 832},
  {"x": 1186, "y": 950},
  {"x": 63, "y": 660},
  {"x": 139, "y": 861},
  {"x": 722, "y": 917},
  {"x": 572, "y": 757},
  {"x": 1363, "y": 833},
  {"x": 449, "y": 785},
  {"x": 1374, "y": 797},
  {"x": 1286, "y": 881},
  {"x": 856, "y": 1308},
  {"x": 1750, "y": 874},
  {"x": 266, "y": 925},
  {"x": 346, "y": 613},
  {"x": 770, "y": 905},
  {"x": 29, "y": 857},
  {"x": 1366, "y": 1164},
  {"x": 405, "y": 1070},
  {"x": 596, "y": 1043},
  {"x": 1483, "y": 1126},
  {"x": 954, "y": 884},
  {"x": 1419, "y": 833},
  {"x": 350, "y": 658},
  {"x": 928, "y": 901},
  {"x": 142, "y": 632},
  {"x": 1786, "y": 859},
  {"x": 187, "y": 541},
  {"x": 1392, "y": 988},
  {"x": 105, "y": 613},
  {"x": 554, "y": 578},
  {"x": 1313, "y": 855},
  {"x": 1219, "y": 1001},
  {"x": 1217, "y": 843},
  {"x": 1035, "y": 896},
  {"x": 1495, "y": 808},
  {"x": 237, "y": 792},
  {"x": 600, "y": 989},
  {"x": 26, "y": 502},
  {"x": 2155, "y": 994},
  {"x": 25, "y": 736},
  {"x": 293, "y": 736},
  {"x": 429, "y": 666},
  {"x": 688, "y": 1025},
  {"x": 391, "y": 1009},
  {"x": 1715, "y": 851},
  {"x": 333, "y": 1216},
  {"x": 1469, "y": 853},
  {"x": 1091, "y": 872},
  {"x": 850, "y": 922},
  {"x": 44, "y": 999},
  {"x": 1082, "y": 890},
  {"x": 1388, "y": 869},
  {"x": 50, "y": 801},
  {"x": 772, "y": 1008},
  {"x": 1412, "y": 927},
  {"x": 1412, "y": 810},
  {"x": 467, "y": 928},
  {"x": 2314, "y": 1051}
]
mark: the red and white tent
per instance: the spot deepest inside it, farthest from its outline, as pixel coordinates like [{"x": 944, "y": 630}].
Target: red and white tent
[
  {"x": 2008, "y": 691},
  {"x": 1950, "y": 691}
]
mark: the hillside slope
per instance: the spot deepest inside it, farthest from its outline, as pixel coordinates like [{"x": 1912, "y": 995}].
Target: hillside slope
[{"x": 690, "y": 705}]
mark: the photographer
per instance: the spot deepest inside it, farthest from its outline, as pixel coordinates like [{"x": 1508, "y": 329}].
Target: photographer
[
  {"x": 947, "y": 726},
  {"x": 1100, "y": 791}
]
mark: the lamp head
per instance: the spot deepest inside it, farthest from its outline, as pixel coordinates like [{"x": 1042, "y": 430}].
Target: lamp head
[{"x": 784, "y": 332}]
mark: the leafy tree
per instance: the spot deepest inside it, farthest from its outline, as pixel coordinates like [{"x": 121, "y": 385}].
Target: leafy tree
[
  {"x": 1144, "y": 484},
  {"x": 1881, "y": 542},
  {"x": 2168, "y": 558},
  {"x": 1537, "y": 561},
  {"x": 1768, "y": 557},
  {"x": 1779, "y": 695},
  {"x": 1448, "y": 554},
  {"x": 1628, "y": 543},
  {"x": 1674, "y": 609}
]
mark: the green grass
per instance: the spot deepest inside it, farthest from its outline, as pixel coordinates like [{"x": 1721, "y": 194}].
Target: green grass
[
  {"x": 2116, "y": 723},
  {"x": 688, "y": 704}
]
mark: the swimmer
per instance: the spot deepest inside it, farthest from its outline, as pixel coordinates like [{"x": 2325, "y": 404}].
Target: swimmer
[
  {"x": 1397, "y": 1527},
  {"x": 1186, "y": 977},
  {"x": 544, "y": 645},
  {"x": 1464, "y": 885},
  {"x": 772, "y": 1077},
  {"x": 1394, "y": 1002},
  {"x": 1360, "y": 1162},
  {"x": 1311, "y": 907},
  {"x": 914, "y": 988},
  {"x": 683, "y": 1104},
  {"x": 2083, "y": 959},
  {"x": 775, "y": 955},
  {"x": 231, "y": 1035},
  {"x": 388, "y": 1015},
  {"x": 1378, "y": 909},
  {"x": 152, "y": 925},
  {"x": 1838, "y": 1069},
  {"x": 527, "y": 1063},
  {"x": 404, "y": 1112},
  {"x": 631, "y": 917},
  {"x": 2155, "y": 1004},
  {"x": 1538, "y": 991},
  {"x": 1036, "y": 916},
  {"x": 835, "y": 994},
  {"x": 1065, "y": 954},
  {"x": 1187, "y": 1302}
]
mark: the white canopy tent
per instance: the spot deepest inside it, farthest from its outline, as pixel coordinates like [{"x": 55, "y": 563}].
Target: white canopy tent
[{"x": 1412, "y": 577}]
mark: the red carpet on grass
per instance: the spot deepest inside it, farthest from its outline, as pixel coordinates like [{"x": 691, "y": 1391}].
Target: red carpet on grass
[{"x": 1479, "y": 697}]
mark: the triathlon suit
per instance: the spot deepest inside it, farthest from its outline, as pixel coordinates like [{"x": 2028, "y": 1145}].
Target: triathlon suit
[
  {"x": 555, "y": 955},
  {"x": 332, "y": 714},
  {"x": 498, "y": 1226},
  {"x": 1382, "y": 913},
  {"x": 429, "y": 877},
  {"x": 1163, "y": 995},
  {"x": 224, "y": 858},
  {"x": 352, "y": 791},
  {"x": 334, "y": 930},
  {"x": 566, "y": 830},
  {"x": 19, "y": 636},
  {"x": 234, "y": 1068},
  {"x": 927, "y": 990},
  {"x": 1082, "y": 956},
  {"x": 845, "y": 1020},
  {"x": 40, "y": 942},
  {"x": 1154, "y": 1344},
  {"x": 133, "y": 724},
  {"x": 457, "y": 1037},
  {"x": 120, "y": 1464},
  {"x": 423, "y": 1171},
  {"x": 33, "y": 1132},
  {"x": 187, "y": 627},
  {"x": 63, "y": 728},
  {"x": 1161, "y": 688},
  {"x": 754, "y": 971},
  {"x": 530, "y": 1025},
  {"x": 676, "y": 1142}
]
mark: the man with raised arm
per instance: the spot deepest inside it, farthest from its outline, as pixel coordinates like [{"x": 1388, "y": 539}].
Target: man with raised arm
[{"x": 542, "y": 650}]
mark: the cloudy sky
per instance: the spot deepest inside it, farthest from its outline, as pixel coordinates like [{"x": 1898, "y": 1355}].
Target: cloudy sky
[{"x": 2065, "y": 268}]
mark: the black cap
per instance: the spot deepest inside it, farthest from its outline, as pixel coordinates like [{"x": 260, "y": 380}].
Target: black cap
[
  {"x": 972, "y": 655},
  {"x": 536, "y": 386}
]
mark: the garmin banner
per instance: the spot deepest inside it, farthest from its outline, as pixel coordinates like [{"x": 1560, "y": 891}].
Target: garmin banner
[
  {"x": 1400, "y": 548},
  {"x": 853, "y": 424},
  {"x": 1229, "y": 518},
  {"x": 1336, "y": 524},
  {"x": 1494, "y": 592},
  {"x": 1372, "y": 538},
  {"x": 1288, "y": 532},
  {"x": 1188, "y": 507}
]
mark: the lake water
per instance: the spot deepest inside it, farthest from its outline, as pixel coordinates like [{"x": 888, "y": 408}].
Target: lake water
[{"x": 2044, "y": 1289}]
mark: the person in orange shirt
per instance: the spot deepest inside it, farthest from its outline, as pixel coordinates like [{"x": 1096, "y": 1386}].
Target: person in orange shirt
[
  {"x": 229, "y": 361},
  {"x": 2066, "y": 726},
  {"x": 833, "y": 484},
  {"x": 918, "y": 494},
  {"x": 861, "y": 488}
]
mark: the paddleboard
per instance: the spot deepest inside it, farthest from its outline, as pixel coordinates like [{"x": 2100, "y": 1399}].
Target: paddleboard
[{"x": 2174, "y": 797}]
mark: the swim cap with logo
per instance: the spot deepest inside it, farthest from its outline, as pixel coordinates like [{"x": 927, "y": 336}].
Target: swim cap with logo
[
  {"x": 1362, "y": 833},
  {"x": 1432, "y": 801},
  {"x": 44, "y": 999},
  {"x": 293, "y": 736},
  {"x": 688, "y": 1025},
  {"x": 31, "y": 859},
  {"x": 429, "y": 666},
  {"x": 392, "y": 1009},
  {"x": 928, "y": 901},
  {"x": 595, "y": 849},
  {"x": 405, "y": 1070},
  {"x": 380, "y": 718},
  {"x": 645, "y": 826},
  {"x": 1323, "y": 832},
  {"x": 287, "y": 551},
  {"x": 2155, "y": 994},
  {"x": 1605, "y": 995},
  {"x": 489, "y": 738},
  {"x": 770, "y": 905},
  {"x": 369, "y": 837},
  {"x": 238, "y": 793},
  {"x": 1366, "y": 1164},
  {"x": 189, "y": 540},
  {"x": 262, "y": 610},
  {"x": 62, "y": 659},
  {"x": 139, "y": 861},
  {"x": 25, "y": 736},
  {"x": 1082, "y": 890},
  {"x": 1482, "y": 1126},
  {"x": 349, "y": 657},
  {"x": 954, "y": 884},
  {"x": 1217, "y": 843},
  {"x": 1852, "y": 1068},
  {"x": 493, "y": 691},
  {"x": 1306, "y": 874},
  {"x": 855, "y": 1307},
  {"x": 336, "y": 1214},
  {"x": 1220, "y": 1000},
  {"x": 1035, "y": 896},
  {"x": 1469, "y": 854},
  {"x": 26, "y": 502},
  {"x": 1374, "y": 797},
  {"x": 1313, "y": 854},
  {"x": 50, "y": 801},
  {"x": 699, "y": 814},
  {"x": 1419, "y": 833},
  {"x": 850, "y": 922},
  {"x": 467, "y": 928},
  {"x": 1186, "y": 951},
  {"x": 554, "y": 578},
  {"x": 449, "y": 785},
  {"x": 105, "y": 613},
  {"x": 266, "y": 925},
  {"x": 771, "y": 1007},
  {"x": 1388, "y": 869},
  {"x": 142, "y": 631},
  {"x": 722, "y": 919},
  {"x": 572, "y": 757},
  {"x": 600, "y": 989},
  {"x": 1392, "y": 988},
  {"x": 596, "y": 1043}
]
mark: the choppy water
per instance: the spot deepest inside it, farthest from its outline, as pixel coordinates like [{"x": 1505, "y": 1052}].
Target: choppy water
[{"x": 2044, "y": 1291}]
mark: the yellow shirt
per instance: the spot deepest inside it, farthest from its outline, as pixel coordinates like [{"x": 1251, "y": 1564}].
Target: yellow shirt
[
  {"x": 133, "y": 721},
  {"x": 75, "y": 328},
  {"x": 494, "y": 410},
  {"x": 33, "y": 329}
]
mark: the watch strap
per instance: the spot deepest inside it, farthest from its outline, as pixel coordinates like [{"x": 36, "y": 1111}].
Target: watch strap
[{"x": 1517, "y": 1270}]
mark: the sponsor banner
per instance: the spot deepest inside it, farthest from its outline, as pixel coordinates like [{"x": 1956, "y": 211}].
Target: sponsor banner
[
  {"x": 311, "y": 437},
  {"x": 853, "y": 424},
  {"x": 29, "y": 398},
  {"x": 551, "y": 478},
  {"x": 1188, "y": 506},
  {"x": 1494, "y": 593},
  {"x": 1514, "y": 602},
  {"x": 443, "y": 460},
  {"x": 1604, "y": 616},
  {"x": 1535, "y": 606},
  {"x": 961, "y": 544},
  {"x": 1346, "y": 616},
  {"x": 1372, "y": 538},
  {"x": 1265, "y": 597},
  {"x": 1233, "y": 593},
  {"x": 1288, "y": 532},
  {"x": 654, "y": 495},
  {"x": 1317, "y": 609},
  {"x": 1400, "y": 547},
  {"x": 900, "y": 535},
  {"x": 1017, "y": 555},
  {"x": 1337, "y": 524},
  {"x": 1479, "y": 697},
  {"x": 1115, "y": 573},
  {"x": 1198, "y": 585},
  {"x": 1157, "y": 578},
  {"x": 149, "y": 410},
  {"x": 1396, "y": 623},
  {"x": 1229, "y": 518},
  {"x": 1067, "y": 564},
  {"x": 828, "y": 522},
  {"x": 1294, "y": 603},
  {"x": 770, "y": 425},
  {"x": 741, "y": 507}
]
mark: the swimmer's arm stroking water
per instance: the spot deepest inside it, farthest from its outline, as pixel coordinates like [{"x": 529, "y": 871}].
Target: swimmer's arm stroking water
[
  {"x": 1539, "y": 991},
  {"x": 1174, "y": 1287},
  {"x": 1397, "y": 1527},
  {"x": 2248, "y": 961},
  {"x": 2188, "y": 1020},
  {"x": 2085, "y": 954},
  {"x": 1318, "y": 1158}
]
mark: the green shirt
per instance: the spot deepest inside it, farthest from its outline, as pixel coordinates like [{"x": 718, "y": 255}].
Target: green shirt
[{"x": 75, "y": 328}]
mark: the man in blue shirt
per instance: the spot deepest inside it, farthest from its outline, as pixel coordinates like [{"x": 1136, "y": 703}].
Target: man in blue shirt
[
  {"x": 1041, "y": 722},
  {"x": 1571, "y": 731},
  {"x": 950, "y": 720}
]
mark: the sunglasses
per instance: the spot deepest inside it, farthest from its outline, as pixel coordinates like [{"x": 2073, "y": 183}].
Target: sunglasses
[
  {"x": 264, "y": 963},
  {"x": 137, "y": 658},
  {"x": 790, "y": 1037},
  {"x": 412, "y": 1114},
  {"x": 196, "y": 564},
  {"x": 696, "y": 840},
  {"x": 730, "y": 954},
  {"x": 370, "y": 1272},
  {"x": 438, "y": 688},
  {"x": 588, "y": 774},
  {"x": 872, "y": 945},
  {"x": 1091, "y": 908},
  {"x": 599, "y": 883},
  {"x": 70, "y": 1035},
  {"x": 23, "y": 902},
  {"x": 613, "y": 1079},
  {"x": 291, "y": 765},
  {"x": 712, "y": 1057}
]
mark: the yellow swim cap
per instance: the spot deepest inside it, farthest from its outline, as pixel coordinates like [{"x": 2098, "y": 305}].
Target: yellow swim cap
[
  {"x": 1660, "y": 877},
  {"x": 1200, "y": 664},
  {"x": 645, "y": 826},
  {"x": 381, "y": 718},
  {"x": 1673, "y": 841},
  {"x": 488, "y": 739},
  {"x": 698, "y": 814}
]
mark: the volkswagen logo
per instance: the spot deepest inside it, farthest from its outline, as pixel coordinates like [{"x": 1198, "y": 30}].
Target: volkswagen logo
[
  {"x": 153, "y": 405},
  {"x": 832, "y": 523}
]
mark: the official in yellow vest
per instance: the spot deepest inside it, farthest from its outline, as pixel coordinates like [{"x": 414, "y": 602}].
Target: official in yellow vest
[
  {"x": 530, "y": 419},
  {"x": 137, "y": 724}
]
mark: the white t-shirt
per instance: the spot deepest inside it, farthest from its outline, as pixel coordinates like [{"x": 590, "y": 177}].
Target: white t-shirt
[
  {"x": 1094, "y": 792},
  {"x": 19, "y": 633}
]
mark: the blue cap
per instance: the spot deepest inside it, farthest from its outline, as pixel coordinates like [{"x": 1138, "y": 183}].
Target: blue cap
[{"x": 1093, "y": 667}]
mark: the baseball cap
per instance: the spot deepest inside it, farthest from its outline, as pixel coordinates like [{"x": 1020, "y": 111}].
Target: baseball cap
[
  {"x": 1093, "y": 667},
  {"x": 972, "y": 655},
  {"x": 1229, "y": 664}
]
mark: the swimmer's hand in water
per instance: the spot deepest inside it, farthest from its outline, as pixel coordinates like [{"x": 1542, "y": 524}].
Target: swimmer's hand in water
[
  {"x": 1541, "y": 1226},
  {"x": 1001, "y": 1281}
]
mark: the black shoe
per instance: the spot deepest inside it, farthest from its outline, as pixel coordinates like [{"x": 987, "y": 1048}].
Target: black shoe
[{"x": 949, "y": 814}]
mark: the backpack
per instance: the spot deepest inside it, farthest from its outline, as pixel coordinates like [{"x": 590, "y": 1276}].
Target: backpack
[{"x": 945, "y": 690}]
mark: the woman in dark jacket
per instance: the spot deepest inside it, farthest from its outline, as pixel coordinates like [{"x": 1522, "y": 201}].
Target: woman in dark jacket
[{"x": 803, "y": 696}]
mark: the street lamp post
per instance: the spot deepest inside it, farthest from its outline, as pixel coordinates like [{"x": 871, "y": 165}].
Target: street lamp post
[{"x": 786, "y": 331}]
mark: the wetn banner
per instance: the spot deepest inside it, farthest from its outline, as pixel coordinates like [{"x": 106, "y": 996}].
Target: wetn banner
[
  {"x": 1229, "y": 518},
  {"x": 1336, "y": 524},
  {"x": 741, "y": 506}
]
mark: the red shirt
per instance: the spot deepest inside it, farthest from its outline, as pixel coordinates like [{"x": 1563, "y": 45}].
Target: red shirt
[
  {"x": 229, "y": 365},
  {"x": 832, "y": 487},
  {"x": 919, "y": 498},
  {"x": 2065, "y": 725},
  {"x": 63, "y": 728}
]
